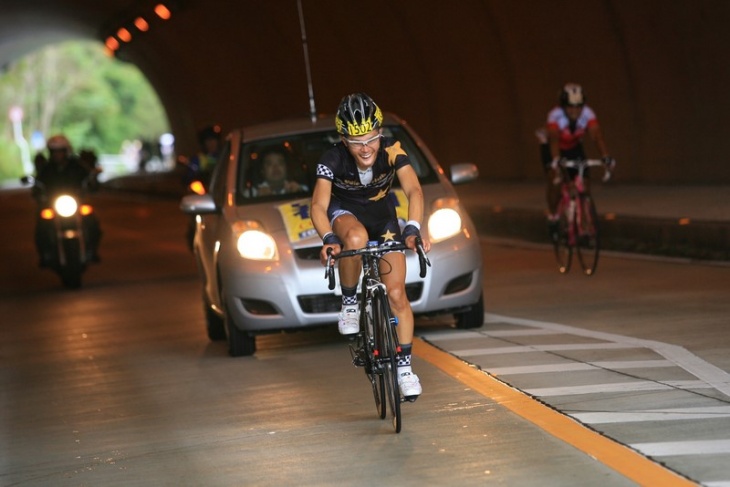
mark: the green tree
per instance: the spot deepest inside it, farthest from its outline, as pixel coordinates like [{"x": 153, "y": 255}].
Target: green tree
[{"x": 74, "y": 88}]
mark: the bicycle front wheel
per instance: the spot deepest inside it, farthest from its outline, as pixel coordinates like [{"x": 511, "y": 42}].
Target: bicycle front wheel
[
  {"x": 588, "y": 242},
  {"x": 370, "y": 355},
  {"x": 388, "y": 350},
  {"x": 562, "y": 242}
]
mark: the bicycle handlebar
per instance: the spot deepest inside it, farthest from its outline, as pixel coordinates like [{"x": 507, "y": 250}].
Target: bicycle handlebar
[
  {"x": 583, "y": 163},
  {"x": 378, "y": 250}
]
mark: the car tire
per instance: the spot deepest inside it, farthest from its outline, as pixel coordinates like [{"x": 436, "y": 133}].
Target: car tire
[
  {"x": 214, "y": 324},
  {"x": 240, "y": 343},
  {"x": 473, "y": 318}
]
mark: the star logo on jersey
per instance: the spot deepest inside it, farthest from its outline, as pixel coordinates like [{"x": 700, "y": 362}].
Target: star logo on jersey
[
  {"x": 388, "y": 235},
  {"x": 381, "y": 194},
  {"x": 394, "y": 151}
]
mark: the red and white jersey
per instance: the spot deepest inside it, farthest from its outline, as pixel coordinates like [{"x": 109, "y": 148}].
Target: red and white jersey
[{"x": 571, "y": 138}]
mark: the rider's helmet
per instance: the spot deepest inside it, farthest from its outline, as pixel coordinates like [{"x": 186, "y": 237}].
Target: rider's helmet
[
  {"x": 209, "y": 132},
  {"x": 357, "y": 115},
  {"x": 572, "y": 95},
  {"x": 59, "y": 142}
]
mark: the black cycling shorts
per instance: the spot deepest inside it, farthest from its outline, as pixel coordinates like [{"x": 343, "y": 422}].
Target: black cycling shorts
[{"x": 379, "y": 217}]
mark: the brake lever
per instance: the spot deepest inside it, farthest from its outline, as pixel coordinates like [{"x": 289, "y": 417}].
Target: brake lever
[
  {"x": 423, "y": 259},
  {"x": 329, "y": 272}
]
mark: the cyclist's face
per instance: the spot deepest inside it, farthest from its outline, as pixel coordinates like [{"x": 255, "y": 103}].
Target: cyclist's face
[{"x": 364, "y": 148}]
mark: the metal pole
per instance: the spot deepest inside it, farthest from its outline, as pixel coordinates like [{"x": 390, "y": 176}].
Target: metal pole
[{"x": 312, "y": 109}]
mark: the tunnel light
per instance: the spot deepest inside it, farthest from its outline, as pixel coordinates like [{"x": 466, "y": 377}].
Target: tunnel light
[
  {"x": 111, "y": 43},
  {"x": 162, "y": 11},
  {"x": 141, "y": 24},
  {"x": 124, "y": 35}
]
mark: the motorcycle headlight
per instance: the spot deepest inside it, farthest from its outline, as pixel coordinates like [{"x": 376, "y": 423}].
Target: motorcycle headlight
[
  {"x": 65, "y": 205},
  {"x": 254, "y": 243},
  {"x": 445, "y": 220}
]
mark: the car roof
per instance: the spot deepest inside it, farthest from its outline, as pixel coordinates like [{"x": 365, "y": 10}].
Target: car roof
[{"x": 291, "y": 126}]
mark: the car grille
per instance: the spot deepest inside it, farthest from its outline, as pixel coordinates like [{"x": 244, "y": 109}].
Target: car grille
[
  {"x": 329, "y": 303},
  {"x": 308, "y": 253}
]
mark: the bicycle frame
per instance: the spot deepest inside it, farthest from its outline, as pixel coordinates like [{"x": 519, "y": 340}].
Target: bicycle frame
[
  {"x": 579, "y": 227},
  {"x": 377, "y": 342}
]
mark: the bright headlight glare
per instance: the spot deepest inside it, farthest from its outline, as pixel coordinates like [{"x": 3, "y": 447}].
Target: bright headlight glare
[
  {"x": 65, "y": 205},
  {"x": 256, "y": 245},
  {"x": 444, "y": 223}
]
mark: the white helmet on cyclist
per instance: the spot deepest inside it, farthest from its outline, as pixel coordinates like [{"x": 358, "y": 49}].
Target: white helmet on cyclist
[{"x": 572, "y": 95}]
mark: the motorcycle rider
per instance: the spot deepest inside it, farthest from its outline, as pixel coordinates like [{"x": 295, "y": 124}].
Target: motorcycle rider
[
  {"x": 200, "y": 166},
  {"x": 63, "y": 173}
]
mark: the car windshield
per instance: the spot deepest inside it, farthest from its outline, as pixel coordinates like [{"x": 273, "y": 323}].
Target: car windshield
[{"x": 284, "y": 167}]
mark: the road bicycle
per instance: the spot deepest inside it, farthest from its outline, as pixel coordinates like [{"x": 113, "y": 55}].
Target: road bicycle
[
  {"x": 578, "y": 228},
  {"x": 376, "y": 347}
]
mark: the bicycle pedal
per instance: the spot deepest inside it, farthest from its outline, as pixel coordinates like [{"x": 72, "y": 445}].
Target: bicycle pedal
[
  {"x": 358, "y": 362},
  {"x": 410, "y": 398}
]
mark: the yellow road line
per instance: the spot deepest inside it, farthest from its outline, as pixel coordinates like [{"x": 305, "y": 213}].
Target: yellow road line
[{"x": 618, "y": 457}]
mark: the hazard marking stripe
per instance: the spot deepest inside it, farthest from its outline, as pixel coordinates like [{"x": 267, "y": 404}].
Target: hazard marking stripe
[
  {"x": 674, "y": 448},
  {"x": 472, "y": 352},
  {"x": 618, "y": 457},
  {"x": 575, "y": 367},
  {"x": 618, "y": 387},
  {"x": 646, "y": 415}
]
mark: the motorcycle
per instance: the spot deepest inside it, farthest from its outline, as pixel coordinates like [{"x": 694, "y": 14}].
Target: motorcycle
[
  {"x": 67, "y": 233},
  {"x": 195, "y": 182}
]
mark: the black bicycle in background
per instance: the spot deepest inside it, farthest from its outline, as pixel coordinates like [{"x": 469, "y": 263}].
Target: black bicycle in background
[{"x": 376, "y": 347}]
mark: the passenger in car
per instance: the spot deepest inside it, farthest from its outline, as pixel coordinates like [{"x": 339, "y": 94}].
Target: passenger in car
[{"x": 274, "y": 169}]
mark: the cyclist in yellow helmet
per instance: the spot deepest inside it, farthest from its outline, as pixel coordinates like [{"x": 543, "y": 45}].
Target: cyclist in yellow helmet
[{"x": 350, "y": 206}]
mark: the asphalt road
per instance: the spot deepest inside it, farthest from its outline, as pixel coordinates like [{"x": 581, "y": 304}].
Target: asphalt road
[{"x": 116, "y": 383}]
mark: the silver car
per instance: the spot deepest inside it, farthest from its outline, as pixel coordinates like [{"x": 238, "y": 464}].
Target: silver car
[{"x": 258, "y": 252}]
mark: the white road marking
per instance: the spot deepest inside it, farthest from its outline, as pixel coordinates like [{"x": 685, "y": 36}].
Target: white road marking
[
  {"x": 470, "y": 352},
  {"x": 618, "y": 387},
  {"x": 712, "y": 375},
  {"x": 577, "y": 366},
  {"x": 678, "y": 414},
  {"x": 689, "y": 447}
]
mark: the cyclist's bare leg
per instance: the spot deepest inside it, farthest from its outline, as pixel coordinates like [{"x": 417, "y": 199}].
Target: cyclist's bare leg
[
  {"x": 393, "y": 274},
  {"x": 408, "y": 382},
  {"x": 552, "y": 192},
  {"x": 353, "y": 236}
]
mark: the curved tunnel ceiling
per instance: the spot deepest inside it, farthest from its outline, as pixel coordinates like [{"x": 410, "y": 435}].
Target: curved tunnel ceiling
[{"x": 474, "y": 78}]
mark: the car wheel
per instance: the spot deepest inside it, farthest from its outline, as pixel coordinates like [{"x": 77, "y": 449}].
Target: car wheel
[
  {"x": 473, "y": 318},
  {"x": 214, "y": 324},
  {"x": 240, "y": 343}
]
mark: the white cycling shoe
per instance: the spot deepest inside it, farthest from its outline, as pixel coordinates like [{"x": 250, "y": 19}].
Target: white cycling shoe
[
  {"x": 410, "y": 386},
  {"x": 349, "y": 320}
]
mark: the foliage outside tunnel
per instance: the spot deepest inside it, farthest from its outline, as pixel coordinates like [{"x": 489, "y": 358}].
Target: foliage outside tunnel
[{"x": 73, "y": 88}]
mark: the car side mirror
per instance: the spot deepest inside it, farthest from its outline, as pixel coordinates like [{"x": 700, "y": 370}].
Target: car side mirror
[
  {"x": 464, "y": 172},
  {"x": 197, "y": 204}
]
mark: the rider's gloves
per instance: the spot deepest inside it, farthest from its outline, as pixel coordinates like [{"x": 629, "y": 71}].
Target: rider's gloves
[
  {"x": 411, "y": 229},
  {"x": 555, "y": 162},
  {"x": 331, "y": 239}
]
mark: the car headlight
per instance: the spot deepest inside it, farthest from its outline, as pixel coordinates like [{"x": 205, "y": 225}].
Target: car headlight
[
  {"x": 445, "y": 220},
  {"x": 65, "y": 205},
  {"x": 254, "y": 243}
]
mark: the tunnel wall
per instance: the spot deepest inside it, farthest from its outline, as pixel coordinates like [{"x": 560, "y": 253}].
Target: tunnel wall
[{"x": 474, "y": 78}]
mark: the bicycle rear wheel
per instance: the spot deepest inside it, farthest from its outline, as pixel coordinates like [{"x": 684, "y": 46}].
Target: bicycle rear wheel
[
  {"x": 388, "y": 345},
  {"x": 588, "y": 242},
  {"x": 562, "y": 245}
]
